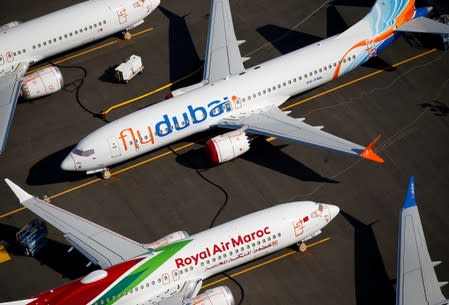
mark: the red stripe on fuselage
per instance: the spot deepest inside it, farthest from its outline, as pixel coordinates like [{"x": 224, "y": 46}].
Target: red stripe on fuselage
[{"x": 77, "y": 293}]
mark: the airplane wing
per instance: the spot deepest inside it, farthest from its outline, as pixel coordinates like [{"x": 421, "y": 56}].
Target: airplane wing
[
  {"x": 417, "y": 283},
  {"x": 222, "y": 51},
  {"x": 100, "y": 245},
  {"x": 9, "y": 93},
  {"x": 423, "y": 25},
  {"x": 276, "y": 123}
]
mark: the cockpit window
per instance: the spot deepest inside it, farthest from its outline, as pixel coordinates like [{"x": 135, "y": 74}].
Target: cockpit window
[{"x": 83, "y": 153}]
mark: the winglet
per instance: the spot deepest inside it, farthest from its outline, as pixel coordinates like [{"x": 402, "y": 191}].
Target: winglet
[
  {"x": 20, "y": 193},
  {"x": 410, "y": 200},
  {"x": 368, "y": 152}
]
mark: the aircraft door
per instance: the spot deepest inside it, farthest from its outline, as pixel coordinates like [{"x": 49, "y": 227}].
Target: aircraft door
[
  {"x": 113, "y": 147},
  {"x": 371, "y": 47},
  {"x": 2, "y": 61},
  {"x": 9, "y": 56}
]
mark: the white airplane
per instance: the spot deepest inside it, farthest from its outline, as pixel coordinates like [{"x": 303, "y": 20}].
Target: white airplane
[
  {"x": 171, "y": 271},
  {"x": 417, "y": 283},
  {"x": 23, "y": 44},
  {"x": 247, "y": 100}
]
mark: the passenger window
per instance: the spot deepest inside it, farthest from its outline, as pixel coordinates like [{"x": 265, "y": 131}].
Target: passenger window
[
  {"x": 265, "y": 92},
  {"x": 284, "y": 84},
  {"x": 254, "y": 95},
  {"x": 65, "y": 35},
  {"x": 321, "y": 70},
  {"x": 259, "y": 93},
  {"x": 300, "y": 78},
  {"x": 289, "y": 82},
  {"x": 2, "y": 61}
]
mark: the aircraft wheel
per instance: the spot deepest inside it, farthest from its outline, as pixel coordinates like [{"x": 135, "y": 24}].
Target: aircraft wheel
[
  {"x": 302, "y": 247},
  {"x": 106, "y": 174},
  {"x": 127, "y": 35}
]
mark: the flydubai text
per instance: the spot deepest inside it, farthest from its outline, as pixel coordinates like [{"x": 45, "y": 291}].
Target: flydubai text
[
  {"x": 222, "y": 247},
  {"x": 171, "y": 123}
]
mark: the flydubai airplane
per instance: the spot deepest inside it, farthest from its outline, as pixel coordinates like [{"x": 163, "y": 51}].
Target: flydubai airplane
[
  {"x": 171, "y": 271},
  {"x": 23, "y": 44},
  {"x": 247, "y": 100},
  {"x": 417, "y": 283}
]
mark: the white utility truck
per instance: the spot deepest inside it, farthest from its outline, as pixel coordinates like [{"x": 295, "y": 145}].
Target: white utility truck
[{"x": 128, "y": 69}]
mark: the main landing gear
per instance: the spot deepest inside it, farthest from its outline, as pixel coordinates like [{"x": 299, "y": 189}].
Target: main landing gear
[
  {"x": 302, "y": 247},
  {"x": 106, "y": 174}
]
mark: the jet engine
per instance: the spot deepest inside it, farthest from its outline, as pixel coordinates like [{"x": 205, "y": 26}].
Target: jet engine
[
  {"x": 227, "y": 146},
  {"x": 169, "y": 239},
  {"x": 218, "y": 296},
  {"x": 42, "y": 82}
]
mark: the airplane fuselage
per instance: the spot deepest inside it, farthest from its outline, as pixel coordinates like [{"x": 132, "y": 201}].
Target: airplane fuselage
[
  {"x": 161, "y": 273},
  {"x": 68, "y": 28},
  {"x": 265, "y": 85}
]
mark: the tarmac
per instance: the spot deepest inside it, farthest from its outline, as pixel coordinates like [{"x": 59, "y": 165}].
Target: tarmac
[{"x": 402, "y": 95}]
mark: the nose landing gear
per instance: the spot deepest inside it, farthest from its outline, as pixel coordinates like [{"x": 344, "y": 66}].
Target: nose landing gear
[
  {"x": 302, "y": 247},
  {"x": 106, "y": 174}
]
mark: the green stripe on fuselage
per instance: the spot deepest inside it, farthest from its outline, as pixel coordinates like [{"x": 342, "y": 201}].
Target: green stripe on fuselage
[{"x": 133, "y": 279}]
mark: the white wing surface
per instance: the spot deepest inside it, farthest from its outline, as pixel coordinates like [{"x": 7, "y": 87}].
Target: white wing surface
[
  {"x": 276, "y": 123},
  {"x": 417, "y": 283},
  {"x": 100, "y": 245},
  {"x": 10, "y": 86},
  {"x": 424, "y": 25},
  {"x": 222, "y": 57}
]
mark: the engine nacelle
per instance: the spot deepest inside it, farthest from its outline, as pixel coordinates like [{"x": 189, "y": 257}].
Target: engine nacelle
[
  {"x": 170, "y": 238},
  {"x": 227, "y": 146},
  {"x": 218, "y": 296},
  {"x": 42, "y": 82}
]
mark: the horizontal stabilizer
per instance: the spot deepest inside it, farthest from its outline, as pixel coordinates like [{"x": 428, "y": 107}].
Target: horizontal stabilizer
[
  {"x": 423, "y": 25},
  {"x": 442, "y": 284},
  {"x": 369, "y": 154},
  {"x": 20, "y": 193}
]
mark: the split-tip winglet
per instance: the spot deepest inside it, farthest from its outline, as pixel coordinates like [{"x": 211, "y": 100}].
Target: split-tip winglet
[
  {"x": 369, "y": 154},
  {"x": 410, "y": 200},
  {"x": 20, "y": 193}
]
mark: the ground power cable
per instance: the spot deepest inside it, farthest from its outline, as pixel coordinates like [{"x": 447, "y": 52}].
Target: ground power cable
[
  {"x": 242, "y": 291},
  {"x": 207, "y": 180},
  {"x": 79, "y": 83}
]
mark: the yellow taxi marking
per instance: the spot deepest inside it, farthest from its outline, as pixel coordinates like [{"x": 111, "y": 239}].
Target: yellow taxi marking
[
  {"x": 190, "y": 144},
  {"x": 272, "y": 260},
  {"x": 124, "y": 103},
  {"x": 4, "y": 255},
  {"x": 107, "y": 44}
]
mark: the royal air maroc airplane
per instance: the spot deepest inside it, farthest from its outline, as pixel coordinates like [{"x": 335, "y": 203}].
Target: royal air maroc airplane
[
  {"x": 23, "y": 44},
  {"x": 247, "y": 100},
  {"x": 417, "y": 283},
  {"x": 171, "y": 271}
]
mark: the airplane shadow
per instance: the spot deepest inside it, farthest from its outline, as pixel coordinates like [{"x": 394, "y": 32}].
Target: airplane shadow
[
  {"x": 183, "y": 56},
  {"x": 48, "y": 171},
  {"x": 262, "y": 153},
  {"x": 54, "y": 255},
  {"x": 286, "y": 40},
  {"x": 372, "y": 284}
]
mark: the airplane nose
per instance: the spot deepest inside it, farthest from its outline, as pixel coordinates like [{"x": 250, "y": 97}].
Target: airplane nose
[
  {"x": 68, "y": 164},
  {"x": 334, "y": 210}
]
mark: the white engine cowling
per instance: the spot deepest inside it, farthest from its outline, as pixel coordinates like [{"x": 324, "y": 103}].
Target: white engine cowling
[
  {"x": 218, "y": 296},
  {"x": 42, "y": 82},
  {"x": 227, "y": 146},
  {"x": 170, "y": 238}
]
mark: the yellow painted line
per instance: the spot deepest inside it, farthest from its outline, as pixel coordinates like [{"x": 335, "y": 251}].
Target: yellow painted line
[
  {"x": 357, "y": 80},
  {"x": 82, "y": 53},
  {"x": 190, "y": 144},
  {"x": 270, "y": 261},
  {"x": 121, "y": 104},
  {"x": 112, "y": 174},
  {"x": 4, "y": 255}
]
